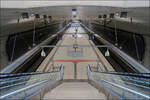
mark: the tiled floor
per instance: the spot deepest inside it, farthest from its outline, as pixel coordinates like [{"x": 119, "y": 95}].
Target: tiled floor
[
  {"x": 75, "y": 70},
  {"x": 74, "y": 90},
  {"x": 87, "y": 53}
]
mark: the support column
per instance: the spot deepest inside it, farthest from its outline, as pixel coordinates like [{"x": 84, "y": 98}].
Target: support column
[{"x": 3, "y": 55}]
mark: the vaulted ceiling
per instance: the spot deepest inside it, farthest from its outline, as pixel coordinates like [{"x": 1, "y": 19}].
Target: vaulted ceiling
[
  {"x": 139, "y": 10},
  {"x": 47, "y": 3}
]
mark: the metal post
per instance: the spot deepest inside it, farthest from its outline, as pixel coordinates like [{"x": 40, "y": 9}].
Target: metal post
[
  {"x": 33, "y": 33},
  {"x": 13, "y": 51},
  {"x": 116, "y": 33}
]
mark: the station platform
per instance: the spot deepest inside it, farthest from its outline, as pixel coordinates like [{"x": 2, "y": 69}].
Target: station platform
[
  {"x": 75, "y": 62},
  {"x": 74, "y": 90},
  {"x": 75, "y": 69}
]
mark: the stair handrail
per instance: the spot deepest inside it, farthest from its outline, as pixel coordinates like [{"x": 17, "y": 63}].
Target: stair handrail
[
  {"x": 38, "y": 84},
  {"x": 105, "y": 82}
]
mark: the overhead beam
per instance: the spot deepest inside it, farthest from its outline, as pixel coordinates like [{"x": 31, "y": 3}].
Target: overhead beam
[{"x": 78, "y": 46}]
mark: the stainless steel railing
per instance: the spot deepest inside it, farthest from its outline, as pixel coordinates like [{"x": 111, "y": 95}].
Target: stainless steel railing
[
  {"x": 24, "y": 85},
  {"x": 122, "y": 85}
]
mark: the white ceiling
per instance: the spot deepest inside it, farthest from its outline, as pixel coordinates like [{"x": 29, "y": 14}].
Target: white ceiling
[{"x": 46, "y": 3}]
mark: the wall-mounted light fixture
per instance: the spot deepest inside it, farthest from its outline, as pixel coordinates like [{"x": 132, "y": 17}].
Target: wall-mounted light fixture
[
  {"x": 43, "y": 54},
  {"x": 107, "y": 53}
]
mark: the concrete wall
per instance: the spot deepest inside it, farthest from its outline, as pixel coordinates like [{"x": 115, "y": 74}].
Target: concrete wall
[
  {"x": 9, "y": 29},
  {"x": 139, "y": 29},
  {"x": 5, "y": 32},
  {"x": 147, "y": 52},
  {"x": 9, "y": 25},
  {"x": 3, "y": 55}
]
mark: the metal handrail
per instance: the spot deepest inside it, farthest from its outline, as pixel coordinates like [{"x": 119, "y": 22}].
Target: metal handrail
[
  {"x": 142, "y": 75},
  {"x": 133, "y": 76},
  {"x": 21, "y": 76},
  {"x": 6, "y": 75},
  {"x": 132, "y": 79},
  {"x": 36, "y": 83},
  {"x": 23, "y": 89},
  {"x": 134, "y": 84},
  {"x": 126, "y": 89},
  {"x": 106, "y": 80},
  {"x": 80, "y": 46},
  {"x": 15, "y": 84}
]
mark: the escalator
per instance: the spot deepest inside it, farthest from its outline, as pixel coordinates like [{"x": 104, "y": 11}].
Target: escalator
[
  {"x": 23, "y": 86},
  {"x": 44, "y": 85},
  {"x": 115, "y": 85},
  {"x": 124, "y": 86}
]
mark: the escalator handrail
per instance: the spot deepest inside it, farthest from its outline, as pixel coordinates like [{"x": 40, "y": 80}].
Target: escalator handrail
[
  {"x": 47, "y": 80},
  {"x": 20, "y": 90},
  {"x": 12, "y": 75},
  {"x": 126, "y": 89},
  {"x": 139, "y": 75},
  {"x": 113, "y": 83},
  {"x": 9, "y": 75}
]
